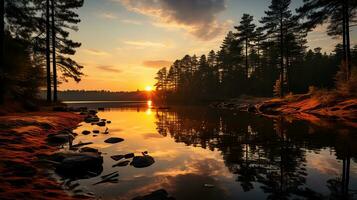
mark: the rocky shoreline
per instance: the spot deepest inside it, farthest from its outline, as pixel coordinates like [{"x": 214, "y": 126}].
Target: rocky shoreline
[
  {"x": 32, "y": 153},
  {"x": 303, "y": 107},
  {"x": 23, "y": 143}
]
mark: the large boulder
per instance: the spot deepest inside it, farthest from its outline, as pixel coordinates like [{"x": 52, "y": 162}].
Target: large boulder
[
  {"x": 60, "y": 137},
  {"x": 79, "y": 165}
]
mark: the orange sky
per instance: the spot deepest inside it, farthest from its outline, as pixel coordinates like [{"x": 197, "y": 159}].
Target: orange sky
[{"x": 125, "y": 42}]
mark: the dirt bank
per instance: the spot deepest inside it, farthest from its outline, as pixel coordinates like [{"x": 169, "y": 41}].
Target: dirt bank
[
  {"x": 22, "y": 142},
  {"x": 304, "y": 107}
]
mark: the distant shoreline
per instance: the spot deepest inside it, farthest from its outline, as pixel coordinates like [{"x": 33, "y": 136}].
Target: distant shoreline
[{"x": 99, "y": 101}]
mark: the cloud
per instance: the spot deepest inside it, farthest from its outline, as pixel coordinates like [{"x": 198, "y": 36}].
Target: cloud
[
  {"x": 96, "y": 52},
  {"x": 145, "y": 44},
  {"x": 129, "y": 21},
  {"x": 108, "y": 16},
  {"x": 109, "y": 69},
  {"x": 157, "y": 63},
  {"x": 198, "y": 17}
]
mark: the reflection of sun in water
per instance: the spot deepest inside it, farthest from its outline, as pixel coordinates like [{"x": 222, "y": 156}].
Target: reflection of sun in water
[
  {"x": 148, "y": 111},
  {"x": 149, "y": 103},
  {"x": 148, "y": 88}
]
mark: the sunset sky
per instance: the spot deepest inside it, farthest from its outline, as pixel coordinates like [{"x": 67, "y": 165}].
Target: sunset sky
[{"x": 125, "y": 42}]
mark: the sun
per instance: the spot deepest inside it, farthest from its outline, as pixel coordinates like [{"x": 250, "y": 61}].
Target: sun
[{"x": 148, "y": 88}]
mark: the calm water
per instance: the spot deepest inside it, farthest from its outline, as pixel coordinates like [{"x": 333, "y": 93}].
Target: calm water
[{"x": 243, "y": 156}]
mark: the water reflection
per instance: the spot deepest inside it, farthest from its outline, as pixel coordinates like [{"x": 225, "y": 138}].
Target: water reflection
[
  {"x": 267, "y": 155},
  {"x": 242, "y": 156}
]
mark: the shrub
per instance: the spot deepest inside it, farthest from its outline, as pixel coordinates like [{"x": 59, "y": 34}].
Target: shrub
[
  {"x": 277, "y": 88},
  {"x": 344, "y": 87}
]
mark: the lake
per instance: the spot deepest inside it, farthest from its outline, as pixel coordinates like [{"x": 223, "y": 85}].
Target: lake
[{"x": 203, "y": 153}]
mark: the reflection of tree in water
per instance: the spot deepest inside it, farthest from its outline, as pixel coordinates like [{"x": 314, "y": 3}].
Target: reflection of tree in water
[
  {"x": 284, "y": 176},
  {"x": 258, "y": 150}
]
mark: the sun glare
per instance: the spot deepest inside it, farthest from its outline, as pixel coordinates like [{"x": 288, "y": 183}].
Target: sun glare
[{"x": 148, "y": 88}]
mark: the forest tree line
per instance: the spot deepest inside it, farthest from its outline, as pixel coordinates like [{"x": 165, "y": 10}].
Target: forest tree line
[
  {"x": 269, "y": 59},
  {"x": 36, "y": 45}
]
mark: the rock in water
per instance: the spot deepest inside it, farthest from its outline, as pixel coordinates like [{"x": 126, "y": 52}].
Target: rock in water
[
  {"x": 92, "y": 112},
  {"x": 80, "y": 165},
  {"x": 89, "y": 149},
  {"x": 129, "y": 155},
  {"x": 101, "y": 124},
  {"x": 113, "y": 140},
  {"x": 60, "y": 138},
  {"x": 85, "y": 132},
  {"x": 122, "y": 164},
  {"x": 160, "y": 194},
  {"x": 90, "y": 119},
  {"x": 142, "y": 161},
  {"x": 117, "y": 157}
]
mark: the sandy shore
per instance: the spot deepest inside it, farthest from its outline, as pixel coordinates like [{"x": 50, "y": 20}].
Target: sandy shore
[{"x": 22, "y": 142}]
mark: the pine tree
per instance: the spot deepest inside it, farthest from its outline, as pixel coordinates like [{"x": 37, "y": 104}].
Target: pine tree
[
  {"x": 246, "y": 33},
  {"x": 48, "y": 51},
  {"x": 229, "y": 62},
  {"x": 274, "y": 23},
  {"x": 54, "y": 64},
  {"x": 64, "y": 19},
  {"x": 161, "y": 84},
  {"x": 338, "y": 14}
]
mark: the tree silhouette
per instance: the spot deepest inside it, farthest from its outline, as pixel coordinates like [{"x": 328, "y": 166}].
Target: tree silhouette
[
  {"x": 275, "y": 25},
  {"x": 246, "y": 33},
  {"x": 28, "y": 24},
  {"x": 273, "y": 56},
  {"x": 339, "y": 14},
  {"x": 54, "y": 64},
  {"x": 48, "y": 52}
]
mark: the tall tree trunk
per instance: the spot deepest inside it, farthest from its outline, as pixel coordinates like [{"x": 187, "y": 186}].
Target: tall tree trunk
[
  {"x": 281, "y": 57},
  {"x": 54, "y": 52},
  {"x": 2, "y": 39},
  {"x": 246, "y": 59},
  {"x": 288, "y": 73},
  {"x": 48, "y": 61},
  {"x": 344, "y": 51},
  {"x": 348, "y": 42}
]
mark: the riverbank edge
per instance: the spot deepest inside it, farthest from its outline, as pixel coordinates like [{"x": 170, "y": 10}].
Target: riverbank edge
[
  {"x": 23, "y": 142},
  {"x": 300, "y": 107}
]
